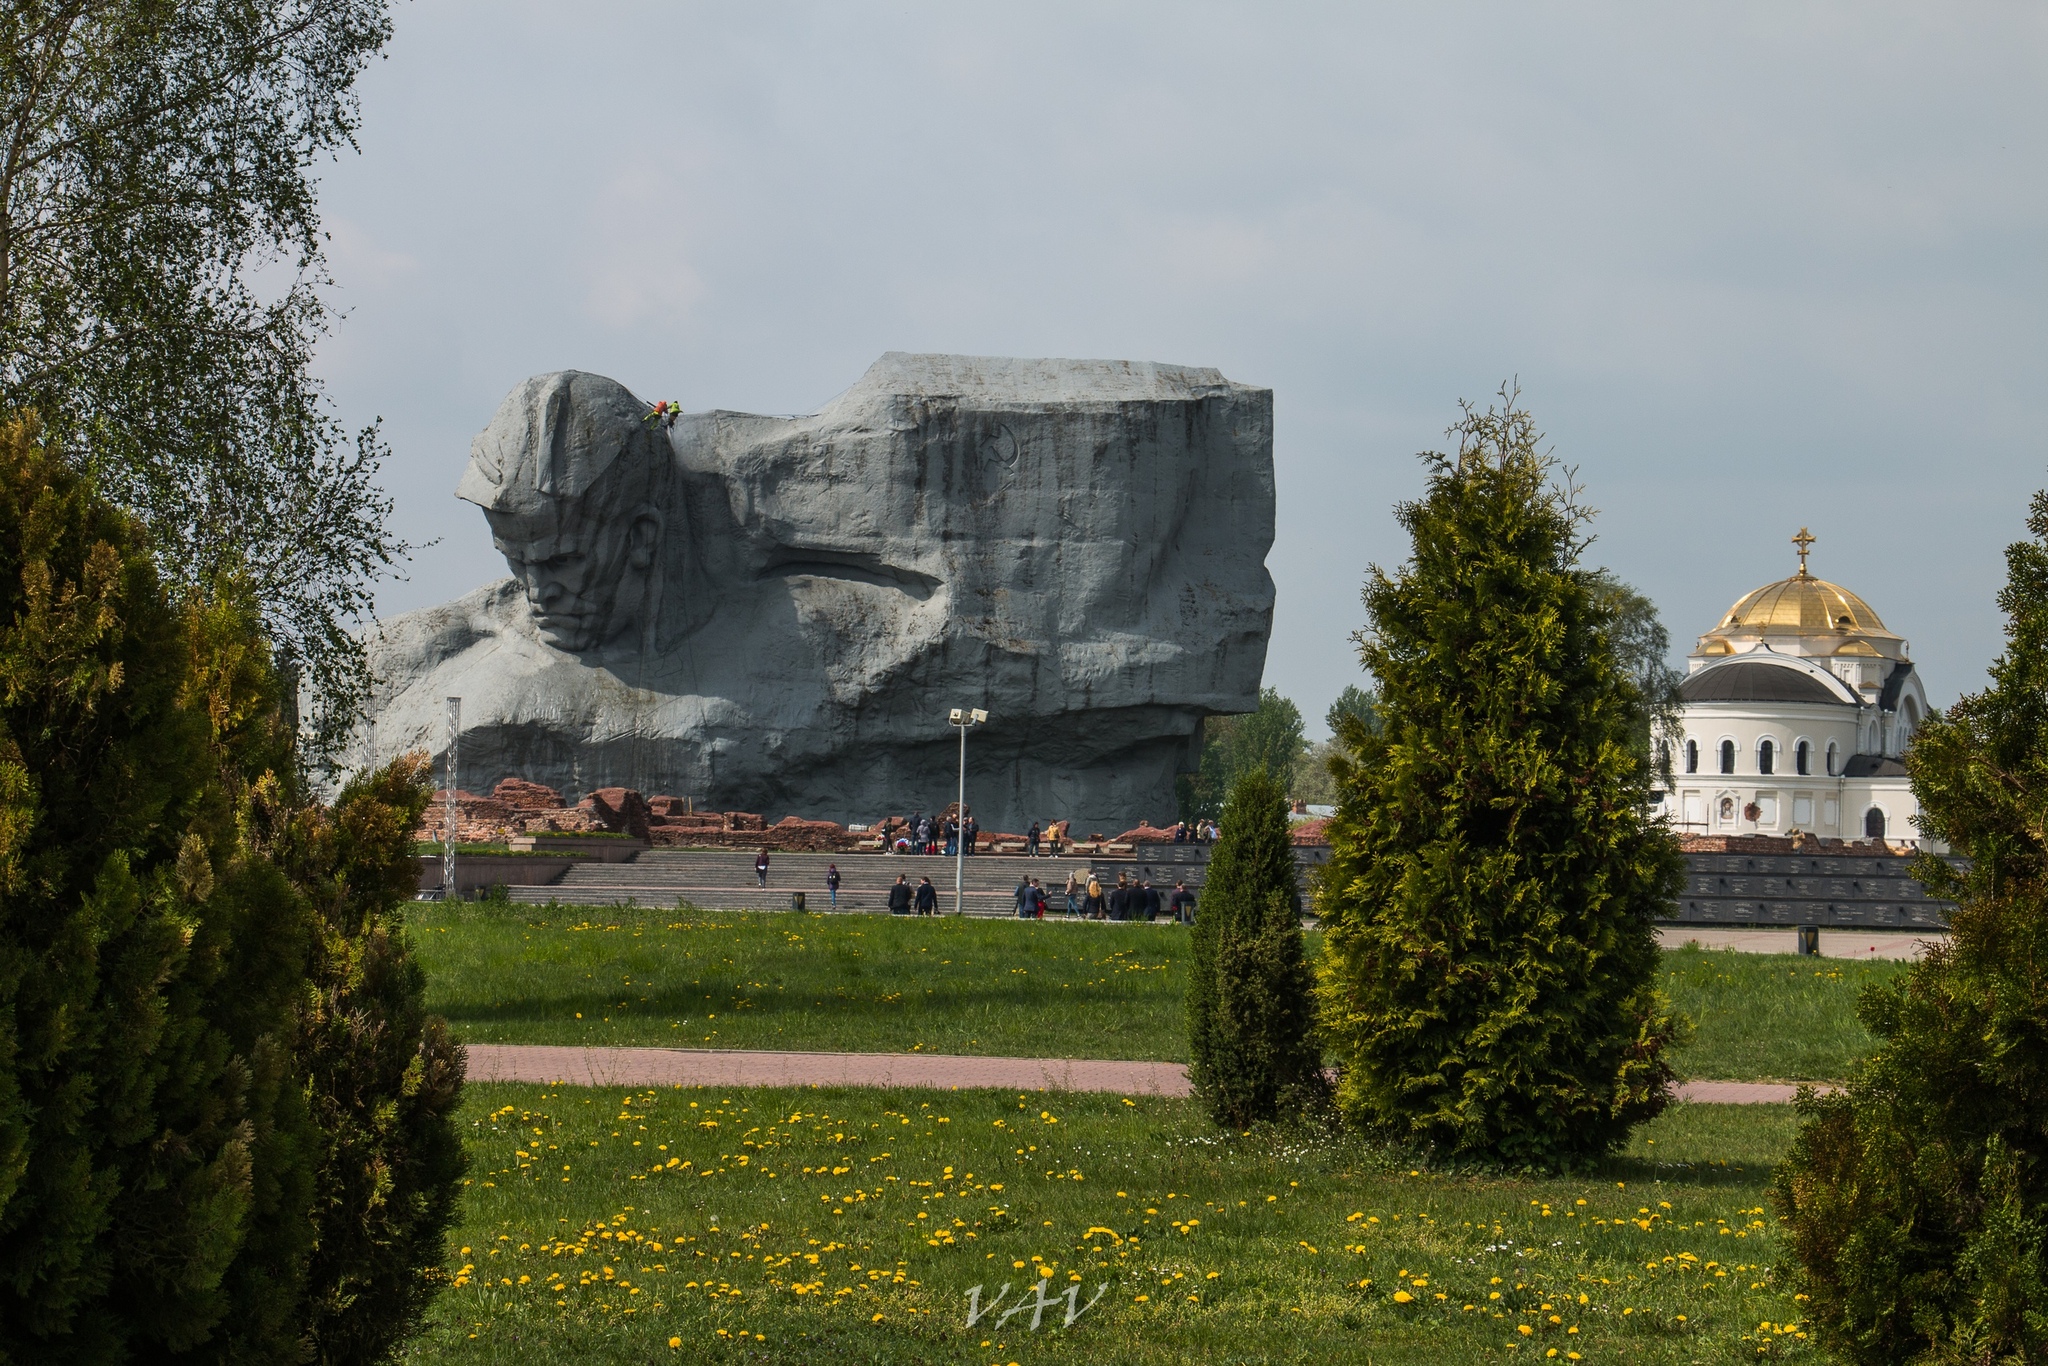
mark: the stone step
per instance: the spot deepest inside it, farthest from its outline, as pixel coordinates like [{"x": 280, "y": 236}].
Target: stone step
[{"x": 724, "y": 880}]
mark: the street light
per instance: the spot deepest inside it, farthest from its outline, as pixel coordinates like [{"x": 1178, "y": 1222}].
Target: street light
[{"x": 963, "y": 719}]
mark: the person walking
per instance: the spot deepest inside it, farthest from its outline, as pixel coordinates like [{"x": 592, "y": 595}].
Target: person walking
[
  {"x": 1073, "y": 891},
  {"x": 761, "y": 866},
  {"x": 927, "y": 897},
  {"x": 1022, "y": 896},
  {"x": 1031, "y": 841},
  {"x": 899, "y": 897},
  {"x": 832, "y": 883},
  {"x": 1183, "y": 903}
]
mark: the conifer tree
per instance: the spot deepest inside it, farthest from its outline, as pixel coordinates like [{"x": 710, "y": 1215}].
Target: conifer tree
[
  {"x": 1252, "y": 1046},
  {"x": 1917, "y": 1199},
  {"x": 225, "y": 1124},
  {"x": 1488, "y": 972}
]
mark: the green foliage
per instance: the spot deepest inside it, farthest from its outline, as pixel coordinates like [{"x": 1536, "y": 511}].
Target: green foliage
[
  {"x": 1270, "y": 738},
  {"x": 1488, "y": 973},
  {"x": 1253, "y": 1052},
  {"x": 158, "y": 156},
  {"x": 169, "y": 937},
  {"x": 1643, "y": 647},
  {"x": 1917, "y": 1199},
  {"x": 1358, "y": 704},
  {"x": 384, "y": 1076}
]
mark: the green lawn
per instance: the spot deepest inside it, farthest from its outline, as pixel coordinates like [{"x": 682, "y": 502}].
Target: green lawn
[
  {"x": 1770, "y": 1016},
  {"x": 860, "y": 983},
  {"x": 852, "y": 1226},
  {"x": 863, "y": 983}
]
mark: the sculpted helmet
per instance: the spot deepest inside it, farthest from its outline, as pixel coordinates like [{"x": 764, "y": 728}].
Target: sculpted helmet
[{"x": 553, "y": 438}]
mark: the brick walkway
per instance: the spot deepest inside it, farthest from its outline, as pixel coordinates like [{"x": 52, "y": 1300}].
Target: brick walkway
[{"x": 570, "y": 1066}]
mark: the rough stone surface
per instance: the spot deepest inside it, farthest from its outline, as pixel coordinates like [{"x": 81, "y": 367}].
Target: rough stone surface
[{"x": 776, "y": 613}]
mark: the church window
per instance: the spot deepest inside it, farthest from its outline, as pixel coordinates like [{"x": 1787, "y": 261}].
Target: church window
[
  {"x": 1766, "y": 754},
  {"x": 1831, "y": 758},
  {"x": 1727, "y": 756},
  {"x": 1802, "y": 758},
  {"x": 1692, "y": 756},
  {"x": 1663, "y": 756},
  {"x": 1873, "y": 824}
]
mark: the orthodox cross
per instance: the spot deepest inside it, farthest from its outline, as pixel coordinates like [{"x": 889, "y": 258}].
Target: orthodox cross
[{"x": 1804, "y": 540}]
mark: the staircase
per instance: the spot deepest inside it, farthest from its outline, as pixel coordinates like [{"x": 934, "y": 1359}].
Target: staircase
[{"x": 723, "y": 880}]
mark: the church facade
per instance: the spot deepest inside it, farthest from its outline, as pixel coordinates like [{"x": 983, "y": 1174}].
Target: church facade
[{"x": 1794, "y": 718}]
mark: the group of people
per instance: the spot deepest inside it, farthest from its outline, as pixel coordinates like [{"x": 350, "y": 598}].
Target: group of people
[
  {"x": 903, "y": 897},
  {"x": 942, "y": 835},
  {"x": 1130, "y": 899},
  {"x": 1201, "y": 832},
  {"x": 937, "y": 835}
]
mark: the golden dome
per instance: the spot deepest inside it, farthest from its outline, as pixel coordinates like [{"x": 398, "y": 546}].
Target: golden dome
[
  {"x": 1802, "y": 615},
  {"x": 1802, "y": 605}
]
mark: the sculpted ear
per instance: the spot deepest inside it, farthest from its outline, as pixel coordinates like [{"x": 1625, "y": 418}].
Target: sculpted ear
[{"x": 644, "y": 539}]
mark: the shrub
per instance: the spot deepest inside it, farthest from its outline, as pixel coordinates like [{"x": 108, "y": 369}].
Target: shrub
[
  {"x": 171, "y": 919},
  {"x": 1489, "y": 957},
  {"x": 1917, "y": 1199},
  {"x": 1252, "y": 1045}
]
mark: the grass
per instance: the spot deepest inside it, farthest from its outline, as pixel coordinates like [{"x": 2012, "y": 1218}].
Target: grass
[
  {"x": 807, "y": 1226},
  {"x": 510, "y": 973},
  {"x": 1771, "y": 1016},
  {"x": 507, "y": 973}
]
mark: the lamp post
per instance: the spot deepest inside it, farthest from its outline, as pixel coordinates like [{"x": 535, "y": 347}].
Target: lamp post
[
  {"x": 963, "y": 719},
  {"x": 453, "y": 813}
]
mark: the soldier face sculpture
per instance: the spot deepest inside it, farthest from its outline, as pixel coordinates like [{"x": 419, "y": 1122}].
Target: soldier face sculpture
[
  {"x": 570, "y": 475},
  {"x": 586, "y": 573}
]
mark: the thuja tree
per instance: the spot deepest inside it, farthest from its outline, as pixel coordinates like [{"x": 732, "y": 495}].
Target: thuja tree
[
  {"x": 1253, "y": 1052},
  {"x": 1488, "y": 970},
  {"x": 185, "y": 1143},
  {"x": 1917, "y": 1198}
]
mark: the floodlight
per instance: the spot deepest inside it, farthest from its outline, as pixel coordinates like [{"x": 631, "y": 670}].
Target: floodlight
[
  {"x": 980, "y": 716},
  {"x": 955, "y": 717}
]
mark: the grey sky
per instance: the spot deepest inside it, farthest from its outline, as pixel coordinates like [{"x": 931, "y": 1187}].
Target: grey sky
[{"x": 1754, "y": 266}]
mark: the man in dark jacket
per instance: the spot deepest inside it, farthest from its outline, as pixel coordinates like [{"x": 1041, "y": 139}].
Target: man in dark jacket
[
  {"x": 1120, "y": 899},
  {"x": 899, "y": 897},
  {"x": 1183, "y": 903},
  {"x": 927, "y": 896},
  {"x": 1022, "y": 896},
  {"x": 1151, "y": 895}
]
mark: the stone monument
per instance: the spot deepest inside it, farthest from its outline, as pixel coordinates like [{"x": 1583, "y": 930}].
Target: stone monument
[{"x": 776, "y": 613}]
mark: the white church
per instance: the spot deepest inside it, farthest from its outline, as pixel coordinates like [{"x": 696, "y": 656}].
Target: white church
[{"x": 1794, "y": 716}]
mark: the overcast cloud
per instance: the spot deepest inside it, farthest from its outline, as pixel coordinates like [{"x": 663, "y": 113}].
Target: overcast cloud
[{"x": 1755, "y": 267}]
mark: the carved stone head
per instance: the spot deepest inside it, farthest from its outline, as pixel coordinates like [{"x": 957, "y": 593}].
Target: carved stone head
[{"x": 570, "y": 475}]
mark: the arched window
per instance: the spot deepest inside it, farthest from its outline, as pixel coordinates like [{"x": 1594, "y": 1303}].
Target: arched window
[
  {"x": 1873, "y": 824},
  {"x": 1831, "y": 758},
  {"x": 1663, "y": 756},
  {"x": 1727, "y": 756},
  {"x": 1692, "y": 756},
  {"x": 1802, "y": 758},
  {"x": 1766, "y": 754}
]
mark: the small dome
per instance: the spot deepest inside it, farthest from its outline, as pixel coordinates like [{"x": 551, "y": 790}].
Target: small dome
[{"x": 1750, "y": 680}]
